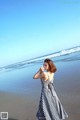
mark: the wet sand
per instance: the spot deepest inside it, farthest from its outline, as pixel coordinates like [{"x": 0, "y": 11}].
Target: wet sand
[
  {"x": 67, "y": 83},
  {"x": 18, "y": 107}
]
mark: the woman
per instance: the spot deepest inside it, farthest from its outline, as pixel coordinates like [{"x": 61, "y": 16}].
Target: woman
[{"x": 50, "y": 107}]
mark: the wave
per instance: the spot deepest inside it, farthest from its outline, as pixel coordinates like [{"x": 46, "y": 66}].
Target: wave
[
  {"x": 29, "y": 62},
  {"x": 57, "y": 54}
]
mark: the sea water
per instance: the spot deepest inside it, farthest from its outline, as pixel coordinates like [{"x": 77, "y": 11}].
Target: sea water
[{"x": 18, "y": 78}]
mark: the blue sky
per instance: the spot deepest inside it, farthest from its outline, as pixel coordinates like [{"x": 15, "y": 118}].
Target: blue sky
[{"x": 31, "y": 28}]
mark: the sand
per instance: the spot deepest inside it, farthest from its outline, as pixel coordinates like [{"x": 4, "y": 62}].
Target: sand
[
  {"x": 24, "y": 106},
  {"x": 18, "y": 107}
]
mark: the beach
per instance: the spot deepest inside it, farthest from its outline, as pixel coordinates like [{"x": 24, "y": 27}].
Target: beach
[
  {"x": 32, "y": 31},
  {"x": 18, "y": 107},
  {"x": 21, "y": 97}
]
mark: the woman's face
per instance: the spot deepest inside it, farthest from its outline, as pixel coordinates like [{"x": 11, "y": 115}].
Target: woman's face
[{"x": 46, "y": 66}]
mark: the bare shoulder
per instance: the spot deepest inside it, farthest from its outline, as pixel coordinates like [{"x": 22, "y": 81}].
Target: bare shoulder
[
  {"x": 50, "y": 75},
  {"x": 45, "y": 76},
  {"x": 45, "y": 73}
]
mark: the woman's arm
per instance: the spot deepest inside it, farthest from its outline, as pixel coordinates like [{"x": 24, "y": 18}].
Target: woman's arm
[{"x": 40, "y": 74}]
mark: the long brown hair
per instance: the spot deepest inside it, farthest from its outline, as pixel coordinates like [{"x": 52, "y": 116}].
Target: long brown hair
[{"x": 52, "y": 67}]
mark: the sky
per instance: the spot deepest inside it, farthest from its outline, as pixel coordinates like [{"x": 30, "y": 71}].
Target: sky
[{"x": 32, "y": 28}]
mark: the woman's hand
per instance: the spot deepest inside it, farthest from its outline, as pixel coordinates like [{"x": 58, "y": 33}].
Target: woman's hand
[
  {"x": 40, "y": 73},
  {"x": 37, "y": 75},
  {"x": 41, "y": 69}
]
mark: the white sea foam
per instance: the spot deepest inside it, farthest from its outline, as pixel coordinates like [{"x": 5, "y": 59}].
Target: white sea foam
[
  {"x": 60, "y": 53},
  {"x": 27, "y": 62}
]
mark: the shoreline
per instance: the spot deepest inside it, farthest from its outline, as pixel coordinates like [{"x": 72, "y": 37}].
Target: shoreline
[{"x": 25, "y": 105}]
